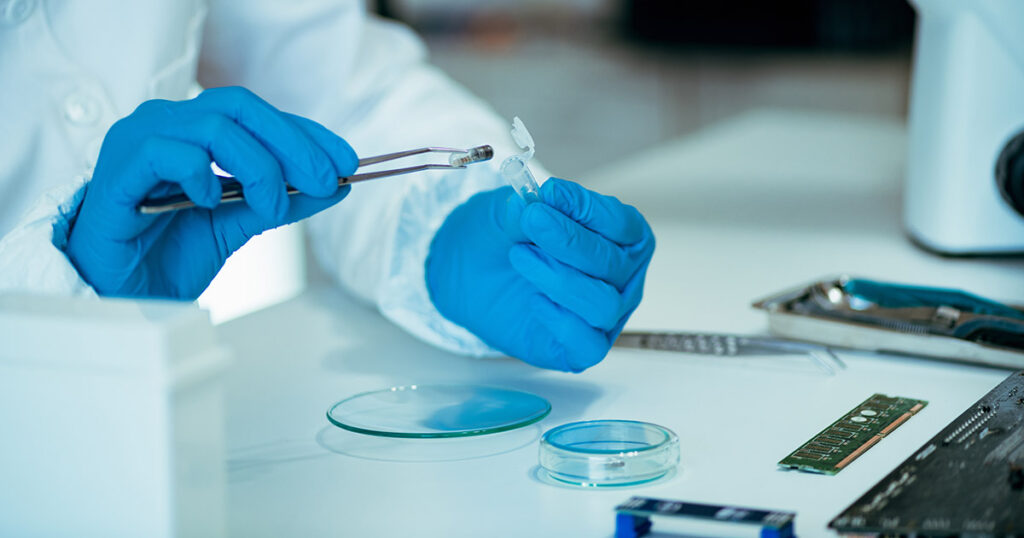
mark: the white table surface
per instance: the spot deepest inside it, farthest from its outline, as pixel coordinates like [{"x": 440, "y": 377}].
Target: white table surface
[{"x": 763, "y": 202}]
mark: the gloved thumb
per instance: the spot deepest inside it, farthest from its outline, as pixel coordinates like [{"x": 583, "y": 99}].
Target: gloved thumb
[
  {"x": 511, "y": 214},
  {"x": 234, "y": 224}
]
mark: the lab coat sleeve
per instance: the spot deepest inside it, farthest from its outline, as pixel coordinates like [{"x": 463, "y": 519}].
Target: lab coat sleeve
[
  {"x": 369, "y": 81},
  {"x": 32, "y": 258}
]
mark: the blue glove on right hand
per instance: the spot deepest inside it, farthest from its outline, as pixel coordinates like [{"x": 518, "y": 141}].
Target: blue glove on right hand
[
  {"x": 552, "y": 282},
  {"x": 166, "y": 144}
]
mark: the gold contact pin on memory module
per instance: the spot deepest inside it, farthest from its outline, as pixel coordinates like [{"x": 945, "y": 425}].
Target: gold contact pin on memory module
[{"x": 832, "y": 449}]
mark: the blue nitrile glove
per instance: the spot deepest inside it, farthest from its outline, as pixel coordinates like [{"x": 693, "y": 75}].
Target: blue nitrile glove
[
  {"x": 551, "y": 283},
  {"x": 165, "y": 145}
]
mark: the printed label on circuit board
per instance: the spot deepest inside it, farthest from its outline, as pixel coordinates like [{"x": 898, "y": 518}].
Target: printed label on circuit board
[{"x": 832, "y": 449}]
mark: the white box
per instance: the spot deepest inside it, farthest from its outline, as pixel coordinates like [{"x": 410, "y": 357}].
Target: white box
[{"x": 111, "y": 419}]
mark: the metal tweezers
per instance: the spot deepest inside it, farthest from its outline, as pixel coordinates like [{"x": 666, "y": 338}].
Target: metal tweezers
[
  {"x": 232, "y": 190},
  {"x": 730, "y": 345}
]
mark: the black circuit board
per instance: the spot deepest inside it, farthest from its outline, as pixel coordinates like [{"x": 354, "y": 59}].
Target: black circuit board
[{"x": 966, "y": 481}]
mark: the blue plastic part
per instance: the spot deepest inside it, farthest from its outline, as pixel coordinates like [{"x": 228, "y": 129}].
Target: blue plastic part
[
  {"x": 639, "y": 510},
  {"x": 786, "y": 531},
  {"x": 890, "y": 295},
  {"x": 630, "y": 526}
]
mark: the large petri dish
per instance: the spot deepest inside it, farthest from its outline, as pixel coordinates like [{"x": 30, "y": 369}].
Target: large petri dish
[
  {"x": 603, "y": 453},
  {"x": 435, "y": 411}
]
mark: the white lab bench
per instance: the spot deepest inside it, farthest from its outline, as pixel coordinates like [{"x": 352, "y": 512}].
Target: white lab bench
[{"x": 762, "y": 202}]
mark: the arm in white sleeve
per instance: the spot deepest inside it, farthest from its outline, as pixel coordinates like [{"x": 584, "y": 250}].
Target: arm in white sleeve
[
  {"x": 32, "y": 258},
  {"x": 370, "y": 82}
]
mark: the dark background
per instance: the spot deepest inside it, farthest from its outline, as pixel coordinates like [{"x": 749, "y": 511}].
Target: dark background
[{"x": 598, "y": 79}]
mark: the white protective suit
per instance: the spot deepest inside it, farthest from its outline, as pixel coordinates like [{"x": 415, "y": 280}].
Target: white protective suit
[{"x": 69, "y": 69}]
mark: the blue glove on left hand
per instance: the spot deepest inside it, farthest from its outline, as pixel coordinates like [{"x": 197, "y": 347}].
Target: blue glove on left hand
[{"x": 551, "y": 283}]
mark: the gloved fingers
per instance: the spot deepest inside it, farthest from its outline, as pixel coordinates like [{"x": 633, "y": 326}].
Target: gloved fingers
[
  {"x": 632, "y": 295},
  {"x": 603, "y": 214},
  {"x": 155, "y": 230},
  {"x": 543, "y": 349},
  {"x": 237, "y": 151},
  {"x": 338, "y": 150},
  {"x": 234, "y": 224},
  {"x": 573, "y": 244},
  {"x": 568, "y": 343},
  {"x": 167, "y": 160},
  {"x": 305, "y": 163},
  {"x": 156, "y": 163},
  {"x": 596, "y": 301}
]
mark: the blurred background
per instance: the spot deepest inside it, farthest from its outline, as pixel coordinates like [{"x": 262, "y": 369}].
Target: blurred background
[{"x": 599, "y": 79}]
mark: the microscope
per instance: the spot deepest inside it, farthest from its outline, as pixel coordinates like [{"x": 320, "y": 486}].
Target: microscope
[{"x": 964, "y": 191}]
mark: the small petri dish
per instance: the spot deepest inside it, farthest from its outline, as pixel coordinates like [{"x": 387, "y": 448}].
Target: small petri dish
[
  {"x": 603, "y": 453},
  {"x": 436, "y": 411}
]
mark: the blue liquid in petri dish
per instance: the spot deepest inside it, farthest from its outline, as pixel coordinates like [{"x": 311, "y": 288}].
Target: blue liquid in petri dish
[{"x": 436, "y": 411}]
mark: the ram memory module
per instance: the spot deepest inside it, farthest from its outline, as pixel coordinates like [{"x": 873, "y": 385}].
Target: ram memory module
[{"x": 853, "y": 434}]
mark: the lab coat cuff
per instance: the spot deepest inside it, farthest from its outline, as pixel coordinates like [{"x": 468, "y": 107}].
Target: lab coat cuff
[
  {"x": 32, "y": 258},
  {"x": 405, "y": 299}
]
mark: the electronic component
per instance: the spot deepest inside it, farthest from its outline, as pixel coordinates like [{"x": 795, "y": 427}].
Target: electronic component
[
  {"x": 470, "y": 156},
  {"x": 853, "y": 434},
  {"x": 633, "y": 517},
  {"x": 965, "y": 481}
]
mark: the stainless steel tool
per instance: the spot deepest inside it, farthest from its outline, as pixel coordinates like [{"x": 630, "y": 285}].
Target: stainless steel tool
[
  {"x": 943, "y": 323},
  {"x": 730, "y": 345},
  {"x": 232, "y": 190}
]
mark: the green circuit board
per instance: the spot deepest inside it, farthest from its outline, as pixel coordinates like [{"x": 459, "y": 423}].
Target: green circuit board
[{"x": 835, "y": 447}]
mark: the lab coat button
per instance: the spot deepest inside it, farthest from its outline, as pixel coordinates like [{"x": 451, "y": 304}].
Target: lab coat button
[
  {"x": 81, "y": 109},
  {"x": 14, "y": 12}
]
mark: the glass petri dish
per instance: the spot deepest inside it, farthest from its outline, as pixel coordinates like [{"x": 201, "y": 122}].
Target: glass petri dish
[
  {"x": 434, "y": 411},
  {"x": 600, "y": 453}
]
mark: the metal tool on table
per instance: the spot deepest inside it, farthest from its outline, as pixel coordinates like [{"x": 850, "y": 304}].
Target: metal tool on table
[
  {"x": 730, "y": 345},
  {"x": 232, "y": 189},
  {"x": 879, "y": 316}
]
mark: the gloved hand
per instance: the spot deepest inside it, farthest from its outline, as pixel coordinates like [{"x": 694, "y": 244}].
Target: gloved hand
[
  {"x": 551, "y": 283},
  {"x": 163, "y": 145}
]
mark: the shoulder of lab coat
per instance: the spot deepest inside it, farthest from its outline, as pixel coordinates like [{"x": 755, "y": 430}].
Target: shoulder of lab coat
[
  {"x": 369, "y": 81},
  {"x": 32, "y": 255}
]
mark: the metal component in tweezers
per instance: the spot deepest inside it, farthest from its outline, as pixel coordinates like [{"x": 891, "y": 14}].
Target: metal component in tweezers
[
  {"x": 730, "y": 345},
  {"x": 232, "y": 189}
]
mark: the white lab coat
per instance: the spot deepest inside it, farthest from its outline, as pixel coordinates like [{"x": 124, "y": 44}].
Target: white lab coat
[{"x": 69, "y": 69}]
